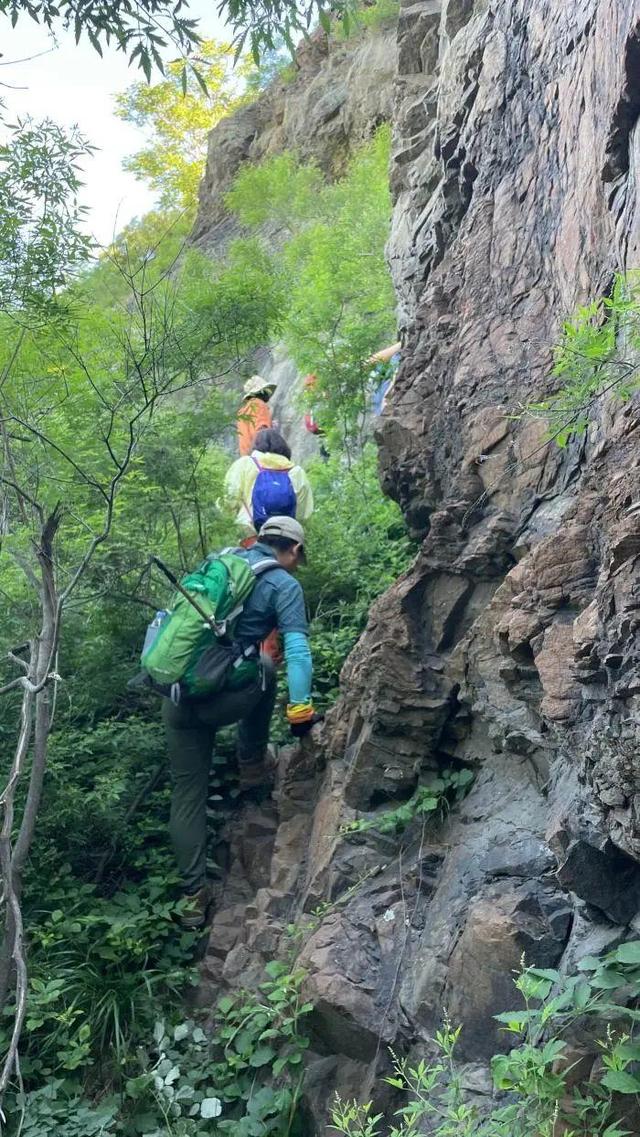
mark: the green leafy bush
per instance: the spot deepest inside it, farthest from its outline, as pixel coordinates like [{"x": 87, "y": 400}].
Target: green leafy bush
[
  {"x": 369, "y": 15},
  {"x": 280, "y": 190},
  {"x": 242, "y": 1076},
  {"x": 58, "y": 1109},
  {"x": 357, "y": 546},
  {"x": 534, "y": 1079}
]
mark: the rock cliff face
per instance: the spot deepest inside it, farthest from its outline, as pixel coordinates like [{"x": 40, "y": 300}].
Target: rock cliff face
[{"x": 511, "y": 645}]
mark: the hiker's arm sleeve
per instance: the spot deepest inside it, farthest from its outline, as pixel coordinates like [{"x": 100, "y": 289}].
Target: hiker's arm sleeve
[
  {"x": 299, "y": 666},
  {"x": 233, "y": 484},
  {"x": 305, "y": 499},
  {"x": 293, "y": 625}
]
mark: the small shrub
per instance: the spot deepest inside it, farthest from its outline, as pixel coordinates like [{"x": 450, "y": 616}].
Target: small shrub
[
  {"x": 596, "y": 356},
  {"x": 432, "y": 798},
  {"x": 246, "y": 1072},
  {"x": 58, "y": 1109}
]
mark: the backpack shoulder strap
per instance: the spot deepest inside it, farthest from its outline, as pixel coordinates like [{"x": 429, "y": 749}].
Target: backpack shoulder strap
[{"x": 267, "y": 563}]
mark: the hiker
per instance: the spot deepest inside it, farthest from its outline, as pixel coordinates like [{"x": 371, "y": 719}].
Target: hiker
[
  {"x": 267, "y": 482},
  {"x": 310, "y": 423},
  {"x": 255, "y": 413},
  {"x": 386, "y": 366},
  {"x": 276, "y": 601}
]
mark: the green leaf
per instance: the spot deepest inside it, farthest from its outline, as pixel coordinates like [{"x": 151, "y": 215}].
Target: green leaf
[
  {"x": 427, "y": 805},
  {"x": 581, "y": 994},
  {"x": 607, "y": 980},
  {"x": 210, "y": 1107},
  {"x": 501, "y": 1072},
  {"x": 621, "y": 1082},
  {"x": 275, "y": 969},
  {"x": 515, "y": 1020},
  {"x": 628, "y": 953},
  {"x": 630, "y": 1051},
  {"x": 200, "y": 80},
  {"x": 589, "y": 963},
  {"x": 545, "y": 973},
  {"x": 261, "y": 1056}
]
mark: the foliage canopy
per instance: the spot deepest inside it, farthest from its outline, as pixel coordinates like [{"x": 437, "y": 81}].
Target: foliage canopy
[
  {"x": 140, "y": 28},
  {"x": 41, "y": 240}
]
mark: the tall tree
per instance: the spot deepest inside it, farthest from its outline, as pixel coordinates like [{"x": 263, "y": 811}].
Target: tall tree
[
  {"x": 41, "y": 241},
  {"x": 179, "y": 112}
]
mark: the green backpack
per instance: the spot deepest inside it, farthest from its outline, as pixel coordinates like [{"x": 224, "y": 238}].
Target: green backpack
[{"x": 190, "y": 649}]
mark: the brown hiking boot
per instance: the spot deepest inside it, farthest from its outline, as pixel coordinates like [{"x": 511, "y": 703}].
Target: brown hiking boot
[
  {"x": 259, "y": 774},
  {"x": 194, "y": 914}
]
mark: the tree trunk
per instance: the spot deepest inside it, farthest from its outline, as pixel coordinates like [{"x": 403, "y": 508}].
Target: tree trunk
[
  {"x": 6, "y": 868},
  {"x": 36, "y": 710},
  {"x": 47, "y": 645}
]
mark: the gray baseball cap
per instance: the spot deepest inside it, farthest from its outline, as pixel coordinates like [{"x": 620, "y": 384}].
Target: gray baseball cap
[{"x": 286, "y": 527}]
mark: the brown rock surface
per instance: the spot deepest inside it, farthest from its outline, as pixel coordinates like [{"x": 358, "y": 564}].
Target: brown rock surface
[{"x": 512, "y": 642}]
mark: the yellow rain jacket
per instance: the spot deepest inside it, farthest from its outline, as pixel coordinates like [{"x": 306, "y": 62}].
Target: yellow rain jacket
[{"x": 240, "y": 480}]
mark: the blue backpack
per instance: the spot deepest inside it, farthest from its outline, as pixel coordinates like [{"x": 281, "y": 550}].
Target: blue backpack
[{"x": 273, "y": 495}]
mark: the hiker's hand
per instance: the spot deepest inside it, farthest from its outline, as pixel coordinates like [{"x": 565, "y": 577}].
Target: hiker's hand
[
  {"x": 301, "y": 717},
  {"x": 300, "y": 729}
]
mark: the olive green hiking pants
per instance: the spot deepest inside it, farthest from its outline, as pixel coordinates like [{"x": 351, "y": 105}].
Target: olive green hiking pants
[{"x": 191, "y": 728}]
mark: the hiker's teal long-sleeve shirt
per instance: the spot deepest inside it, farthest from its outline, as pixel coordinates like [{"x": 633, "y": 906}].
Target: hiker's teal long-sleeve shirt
[{"x": 297, "y": 654}]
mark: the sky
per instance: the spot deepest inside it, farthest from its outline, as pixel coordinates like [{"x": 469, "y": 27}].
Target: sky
[{"x": 74, "y": 86}]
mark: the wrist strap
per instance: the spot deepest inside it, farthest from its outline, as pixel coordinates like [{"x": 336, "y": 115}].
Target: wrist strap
[{"x": 299, "y": 712}]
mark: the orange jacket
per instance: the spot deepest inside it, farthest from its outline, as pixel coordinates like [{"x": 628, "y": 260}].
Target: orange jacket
[{"x": 254, "y": 415}]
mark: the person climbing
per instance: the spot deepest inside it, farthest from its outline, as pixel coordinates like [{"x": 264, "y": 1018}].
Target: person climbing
[
  {"x": 386, "y": 366},
  {"x": 276, "y": 601},
  {"x": 254, "y": 414},
  {"x": 311, "y": 424},
  {"x": 267, "y": 482}
]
